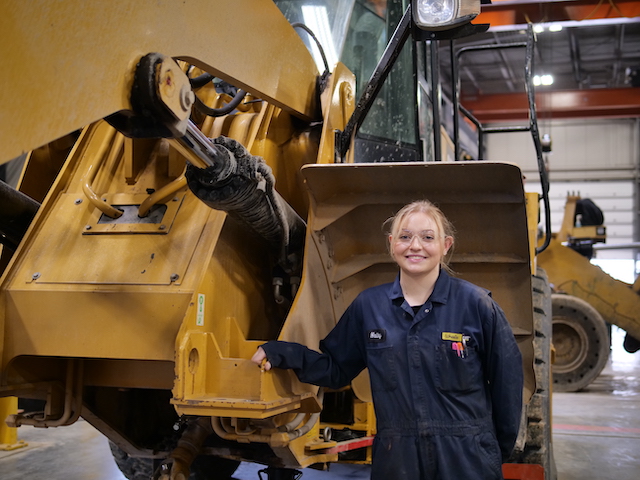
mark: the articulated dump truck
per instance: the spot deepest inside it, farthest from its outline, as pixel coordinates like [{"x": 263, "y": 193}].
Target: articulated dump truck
[{"x": 136, "y": 289}]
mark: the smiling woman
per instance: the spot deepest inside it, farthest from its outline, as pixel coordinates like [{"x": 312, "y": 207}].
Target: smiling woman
[{"x": 444, "y": 367}]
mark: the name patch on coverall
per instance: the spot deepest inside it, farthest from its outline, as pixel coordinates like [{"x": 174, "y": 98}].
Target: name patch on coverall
[{"x": 377, "y": 336}]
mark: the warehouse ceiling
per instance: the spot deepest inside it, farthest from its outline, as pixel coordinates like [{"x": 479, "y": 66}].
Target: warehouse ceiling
[{"x": 591, "y": 48}]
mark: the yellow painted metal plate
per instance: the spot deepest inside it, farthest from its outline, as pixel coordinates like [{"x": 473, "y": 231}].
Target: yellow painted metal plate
[
  {"x": 67, "y": 255},
  {"x": 87, "y": 53},
  {"x": 159, "y": 223},
  {"x": 56, "y": 321},
  {"x": 237, "y": 407}
]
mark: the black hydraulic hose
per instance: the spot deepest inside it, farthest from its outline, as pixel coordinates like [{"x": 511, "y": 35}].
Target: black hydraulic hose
[
  {"x": 242, "y": 185},
  {"x": 313, "y": 36},
  {"x": 201, "y": 80},
  {"x": 224, "y": 110}
]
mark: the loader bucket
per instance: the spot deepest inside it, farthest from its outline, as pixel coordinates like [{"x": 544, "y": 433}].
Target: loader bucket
[{"x": 484, "y": 201}]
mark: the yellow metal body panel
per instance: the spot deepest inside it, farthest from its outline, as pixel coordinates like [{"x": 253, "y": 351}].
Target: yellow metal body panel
[
  {"x": 569, "y": 231},
  {"x": 71, "y": 294},
  {"x": 64, "y": 41},
  {"x": 568, "y": 218},
  {"x": 212, "y": 352},
  {"x": 124, "y": 296},
  {"x": 533, "y": 215},
  {"x": 213, "y": 388},
  {"x": 338, "y": 102}
]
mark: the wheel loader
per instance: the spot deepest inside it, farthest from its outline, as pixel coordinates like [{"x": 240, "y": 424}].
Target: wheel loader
[
  {"x": 585, "y": 299},
  {"x": 134, "y": 297}
]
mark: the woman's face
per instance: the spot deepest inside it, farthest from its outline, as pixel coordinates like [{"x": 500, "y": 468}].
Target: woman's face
[{"x": 418, "y": 246}]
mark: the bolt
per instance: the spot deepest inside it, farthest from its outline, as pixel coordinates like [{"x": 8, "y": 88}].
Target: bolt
[
  {"x": 78, "y": 201},
  {"x": 162, "y": 227},
  {"x": 87, "y": 227},
  {"x": 35, "y": 276},
  {"x": 187, "y": 97},
  {"x": 174, "y": 277}
]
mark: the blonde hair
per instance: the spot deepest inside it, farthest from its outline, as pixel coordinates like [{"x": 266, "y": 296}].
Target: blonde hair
[{"x": 444, "y": 226}]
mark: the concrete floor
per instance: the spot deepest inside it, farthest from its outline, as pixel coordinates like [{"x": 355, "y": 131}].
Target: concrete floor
[{"x": 596, "y": 436}]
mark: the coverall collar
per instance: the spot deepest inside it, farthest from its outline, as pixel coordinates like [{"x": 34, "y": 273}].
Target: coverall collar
[{"x": 440, "y": 292}]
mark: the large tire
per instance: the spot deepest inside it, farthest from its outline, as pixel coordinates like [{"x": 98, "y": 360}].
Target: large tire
[
  {"x": 207, "y": 467},
  {"x": 131, "y": 467},
  {"x": 581, "y": 341},
  {"x": 203, "y": 468},
  {"x": 534, "y": 443}
]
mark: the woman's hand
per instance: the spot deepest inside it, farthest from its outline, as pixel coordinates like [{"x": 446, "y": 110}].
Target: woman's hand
[{"x": 260, "y": 358}]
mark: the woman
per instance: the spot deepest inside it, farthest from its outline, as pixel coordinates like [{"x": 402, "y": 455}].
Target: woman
[{"x": 446, "y": 373}]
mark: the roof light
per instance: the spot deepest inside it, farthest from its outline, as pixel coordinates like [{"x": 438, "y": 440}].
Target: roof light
[
  {"x": 542, "y": 80},
  {"x": 555, "y": 27},
  {"x": 443, "y": 14}
]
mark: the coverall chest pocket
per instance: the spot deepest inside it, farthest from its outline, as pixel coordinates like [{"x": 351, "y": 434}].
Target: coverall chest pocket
[
  {"x": 457, "y": 373},
  {"x": 382, "y": 368}
]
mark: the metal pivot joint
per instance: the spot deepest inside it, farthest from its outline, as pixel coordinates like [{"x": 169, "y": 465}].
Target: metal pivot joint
[{"x": 161, "y": 100}]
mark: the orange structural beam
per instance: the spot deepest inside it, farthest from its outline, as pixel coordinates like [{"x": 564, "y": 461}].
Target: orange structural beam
[
  {"x": 518, "y": 12},
  {"x": 602, "y": 103}
]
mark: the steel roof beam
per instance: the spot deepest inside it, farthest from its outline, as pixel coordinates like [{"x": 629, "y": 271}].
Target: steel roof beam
[
  {"x": 600, "y": 103},
  {"x": 516, "y": 12}
]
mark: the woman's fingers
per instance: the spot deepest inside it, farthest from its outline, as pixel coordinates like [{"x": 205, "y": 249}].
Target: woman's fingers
[{"x": 260, "y": 358}]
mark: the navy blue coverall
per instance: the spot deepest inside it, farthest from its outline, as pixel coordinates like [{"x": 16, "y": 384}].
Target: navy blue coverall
[{"x": 443, "y": 412}]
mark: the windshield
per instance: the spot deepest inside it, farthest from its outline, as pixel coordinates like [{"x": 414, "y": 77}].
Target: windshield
[{"x": 356, "y": 33}]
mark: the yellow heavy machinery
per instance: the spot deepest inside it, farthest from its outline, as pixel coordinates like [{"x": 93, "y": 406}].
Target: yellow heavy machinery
[
  {"x": 584, "y": 300},
  {"x": 129, "y": 302}
]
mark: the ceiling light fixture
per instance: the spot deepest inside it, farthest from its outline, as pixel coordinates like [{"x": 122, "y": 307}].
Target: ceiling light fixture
[{"x": 545, "y": 80}]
